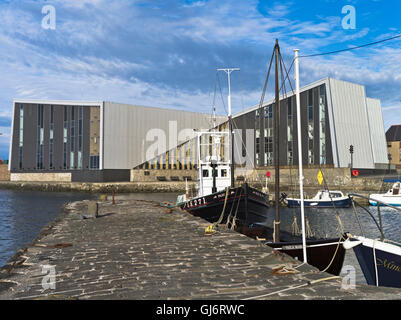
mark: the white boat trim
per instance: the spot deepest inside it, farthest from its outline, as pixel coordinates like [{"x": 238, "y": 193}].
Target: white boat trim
[
  {"x": 300, "y": 246},
  {"x": 379, "y": 245}
]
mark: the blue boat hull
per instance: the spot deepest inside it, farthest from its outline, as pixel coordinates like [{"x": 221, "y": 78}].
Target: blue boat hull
[
  {"x": 344, "y": 203},
  {"x": 388, "y": 266},
  {"x": 374, "y": 204}
]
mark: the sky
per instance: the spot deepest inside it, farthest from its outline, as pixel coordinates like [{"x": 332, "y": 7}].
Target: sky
[{"x": 165, "y": 53}]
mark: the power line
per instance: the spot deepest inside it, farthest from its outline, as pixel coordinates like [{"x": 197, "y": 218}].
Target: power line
[{"x": 353, "y": 48}]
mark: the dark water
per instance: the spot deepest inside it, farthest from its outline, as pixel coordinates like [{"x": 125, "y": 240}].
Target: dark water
[
  {"x": 323, "y": 223},
  {"x": 24, "y": 213}
]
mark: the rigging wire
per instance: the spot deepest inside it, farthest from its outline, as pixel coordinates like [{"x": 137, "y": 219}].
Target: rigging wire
[{"x": 352, "y": 48}]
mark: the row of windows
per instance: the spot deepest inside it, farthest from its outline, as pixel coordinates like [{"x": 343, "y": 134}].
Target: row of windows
[
  {"x": 40, "y": 138},
  {"x": 268, "y": 124}
]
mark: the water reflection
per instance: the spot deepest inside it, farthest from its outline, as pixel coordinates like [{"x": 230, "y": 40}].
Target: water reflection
[{"x": 325, "y": 224}]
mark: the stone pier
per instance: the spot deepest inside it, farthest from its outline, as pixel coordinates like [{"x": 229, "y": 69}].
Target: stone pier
[{"x": 143, "y": 251}]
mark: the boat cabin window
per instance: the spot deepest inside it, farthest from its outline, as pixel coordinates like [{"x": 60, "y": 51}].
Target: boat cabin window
[
  {"x": 205, "y": 173},
  {"x": 223, "y": 172},
  {"x": 335, "y": 195}
]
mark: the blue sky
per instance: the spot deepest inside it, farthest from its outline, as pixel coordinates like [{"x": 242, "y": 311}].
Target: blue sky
[{"x": 165, "y": 53}]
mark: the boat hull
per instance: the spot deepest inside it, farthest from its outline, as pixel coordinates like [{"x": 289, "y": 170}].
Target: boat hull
[
  {"x": 321, "y": 253},
  {"x": 388, "y": 263},
  {"x": 391, "y": 200},
  {"x": 296, "y": 203},
  {"x": 247, "y": 204},
  {"x": 251, "y": 208}
]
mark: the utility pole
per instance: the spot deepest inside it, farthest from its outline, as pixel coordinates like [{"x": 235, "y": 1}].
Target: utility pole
[{"x": 228, "y": 71}]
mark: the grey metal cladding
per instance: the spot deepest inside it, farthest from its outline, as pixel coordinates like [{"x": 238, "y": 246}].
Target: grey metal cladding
[
  {"x": 126, "y": 129},
  {"x": 377, "y": 134},
  {"x": 350, "y": 119}
]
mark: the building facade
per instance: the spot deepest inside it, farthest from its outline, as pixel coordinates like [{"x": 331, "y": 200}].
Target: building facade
[
  {"x": 92, "y": 141},
  {"x": 335, "y": 114},
  {"x": 393, "y": 137}
]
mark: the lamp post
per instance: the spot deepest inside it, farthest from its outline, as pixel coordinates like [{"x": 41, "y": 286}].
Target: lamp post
[{"x": 351, "y": 151}]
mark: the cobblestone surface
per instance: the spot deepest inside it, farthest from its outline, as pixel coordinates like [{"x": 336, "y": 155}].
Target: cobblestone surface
[{"x": 139, "y": 250}]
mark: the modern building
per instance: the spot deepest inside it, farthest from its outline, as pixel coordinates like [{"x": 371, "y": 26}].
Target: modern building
[
  {"x": 335, "y": 114},
  {"x": 393, "y": 137},
  {"x": 92, "y": 141}
]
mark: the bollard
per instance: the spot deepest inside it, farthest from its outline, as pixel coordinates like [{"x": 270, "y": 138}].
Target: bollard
[
  {"x": 93, "y": 209},
  {"x": 113, "y": 202}
]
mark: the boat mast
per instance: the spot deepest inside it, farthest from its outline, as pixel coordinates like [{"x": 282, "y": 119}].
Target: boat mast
[
  {"x": 301, "y": 187},
  {"x": 276, "y": 233},
  {"x": 230, "y": 124}
]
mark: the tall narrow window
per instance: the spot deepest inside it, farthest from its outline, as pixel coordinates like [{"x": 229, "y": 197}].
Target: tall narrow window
[
  {"x": 310, "y": 127},
  {"x": 322, "y": 123},
  {"x": 65, "y": 135},
  {"x": 80, "y": 119},
  {"x": 21, "y": 133},
  {"x": 72, "y": 138},
  {"x": 257, "y": 137},
  {"x": 39, "y": 138},
  {"x": 268, "y": 135},
  {"x": 51, "y": 146},
  {"x": 290, "y": 129}
]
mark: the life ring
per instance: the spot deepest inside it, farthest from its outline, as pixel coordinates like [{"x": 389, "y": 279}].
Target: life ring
[{"x": 355, "y": 173}]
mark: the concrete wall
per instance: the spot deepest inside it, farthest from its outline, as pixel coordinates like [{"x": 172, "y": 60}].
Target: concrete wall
[
  {"x": 4, "y": 172},
  {"x": 45, "y": 177}
]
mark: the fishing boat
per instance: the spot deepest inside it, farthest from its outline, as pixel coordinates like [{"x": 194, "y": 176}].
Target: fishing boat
[
  {"x": 392, "y": 196},
  {"x": 218, "y": 199},
  {"x": 322, "y": 199},
  {"x": 380, "y": 261}
]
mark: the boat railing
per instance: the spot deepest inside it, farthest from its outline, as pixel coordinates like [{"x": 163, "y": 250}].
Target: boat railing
[{"x": 379, "y": 223}]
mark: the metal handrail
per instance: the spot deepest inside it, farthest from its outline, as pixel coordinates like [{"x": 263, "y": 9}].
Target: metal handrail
[
  {"x": 378, "y": 224},
  {"x": 369, "y": 198}
]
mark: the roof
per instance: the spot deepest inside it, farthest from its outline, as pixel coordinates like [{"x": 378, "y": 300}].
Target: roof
[{"x": 394, "y": 133}]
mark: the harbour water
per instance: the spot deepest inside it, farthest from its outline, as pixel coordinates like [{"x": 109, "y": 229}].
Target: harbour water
[
  {"x": 24, "y": 213},
  {"x": 325, "y": 224}
]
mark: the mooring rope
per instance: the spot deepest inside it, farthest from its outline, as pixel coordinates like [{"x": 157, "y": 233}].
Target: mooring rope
[
  {"x": 294, "y": 287},
  {"x": 334, "y": 256}
]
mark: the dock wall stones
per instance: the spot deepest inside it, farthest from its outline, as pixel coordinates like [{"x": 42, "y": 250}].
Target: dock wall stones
[
  {"x": 138, "y": 250},
  {"x": 98, "y": 187},
  {"x": 4, "y": 173},
  {"x": 169, "y": 175},
  {"x": 42, "y": 177}
]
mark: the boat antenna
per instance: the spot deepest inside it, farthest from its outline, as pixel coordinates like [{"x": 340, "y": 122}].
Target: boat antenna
[
  {"x": 228, "y": 71},
  {"x": 301, "y": 177}
]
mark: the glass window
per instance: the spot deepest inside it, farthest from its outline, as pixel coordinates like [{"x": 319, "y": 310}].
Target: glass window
[{"x": 21, "y": 133}]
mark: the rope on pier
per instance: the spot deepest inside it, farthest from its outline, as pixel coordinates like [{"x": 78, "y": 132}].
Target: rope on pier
[{"x": 294, "y": 287}]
